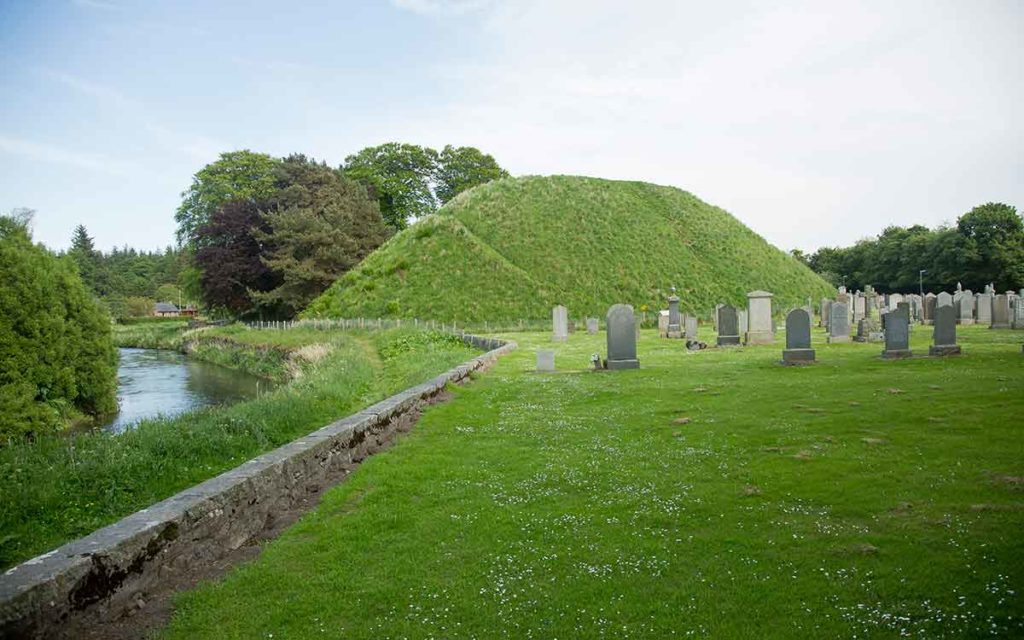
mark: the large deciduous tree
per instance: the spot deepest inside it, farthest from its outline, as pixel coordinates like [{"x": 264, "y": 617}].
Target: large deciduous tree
[
  {"x": 319, "y": 224},
  {"x": 462, "y": 168},
  {"x": 993, "y": 245},
  {"x": 235, "y": 176},
  {"x": 399, "y": 176},
  {"x": 228, "y": 258}
]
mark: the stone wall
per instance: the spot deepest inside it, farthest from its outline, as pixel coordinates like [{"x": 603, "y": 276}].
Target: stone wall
[{"x": 104, "y": 575}]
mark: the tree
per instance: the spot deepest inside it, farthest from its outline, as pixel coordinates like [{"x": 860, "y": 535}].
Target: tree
[
  {"x": 236, "y": 175},
  {"x": 57, "y": 356},
  {"x": 321, "y": 224},
  {"x": 168, "y": 292},
  {"x": 139, "y": 307},
  {"x": 228, "y": 258},
  {"x": 462, "y": 168},
  {"x": 993, "y": 246},
  {"x": 399, "y": 176},
  {"x": 83, "y": 252}
]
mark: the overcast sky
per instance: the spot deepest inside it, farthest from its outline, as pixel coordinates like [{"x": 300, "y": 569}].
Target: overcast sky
[{"x": 813, "y": 124}]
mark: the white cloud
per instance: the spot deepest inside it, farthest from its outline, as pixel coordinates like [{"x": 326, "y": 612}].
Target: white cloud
[{"x": 813, "y": 124}]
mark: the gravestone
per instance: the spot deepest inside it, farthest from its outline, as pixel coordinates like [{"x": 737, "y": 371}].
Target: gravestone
[
  {"x": 798, "y": 337},
  {"x": 859, "y": 302},
  {"x": 897, "y": 333},
  {"x": 620, "y": 325},
  {"x": 944, "y": 334},
  {"x": 545, "y": 360},
  {"x": 675, "y": 323},
  {"x": 869, "y": 330},
  {"x": 870, "y": 304},
  {"x": 728, "y": 326},
  {"x": 714, "y": 316},
  {"x": 826, "y": 312},
  {"x": 741, "y": 314},
  {"x": 759, "y": 318},
  {"x": 894, "y": 300},
  {"x": 839, "y": 324},
  {"x": 1018, "y": 314},
  {"x": 592, "y": 326},
  {"x": 966, "y": 307},
  {"x": 560, "y": 324},
  {"x": 944, "y": 300},
  {"x": 1000, "y": 312},
  {"x": 983, "y": 308},
  {"x": 928, "y": 308},
  {"x": 690, "y": 327},
  {"x": 663, "y": 323}
]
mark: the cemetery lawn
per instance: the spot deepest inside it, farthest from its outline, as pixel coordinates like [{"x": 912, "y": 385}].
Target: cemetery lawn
[
  {"x": 60, "y": 487},
  {"x": 707, "y": 494}
]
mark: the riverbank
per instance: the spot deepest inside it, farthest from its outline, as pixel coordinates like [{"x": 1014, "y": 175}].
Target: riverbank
[{"x": 59, "y": 488}]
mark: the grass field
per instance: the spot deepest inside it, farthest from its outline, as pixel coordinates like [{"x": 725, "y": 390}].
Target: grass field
[
  {"x": 710, "y": 494},
  {"x": 61, "y": 487},
  {"x": 511, "y": 249}
]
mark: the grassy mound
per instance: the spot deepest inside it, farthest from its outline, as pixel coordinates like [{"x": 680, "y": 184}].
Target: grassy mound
[{"x": 514, "y": 248}]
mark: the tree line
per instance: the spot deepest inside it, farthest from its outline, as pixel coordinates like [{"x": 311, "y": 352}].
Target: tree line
[
  {"x": 264, "y": 236},
  {"x": 985, "y": 246},
  {"x": 128, "y": 282}
]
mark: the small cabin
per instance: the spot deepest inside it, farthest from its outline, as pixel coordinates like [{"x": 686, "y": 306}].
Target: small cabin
[{"x": 166, "y": 310}]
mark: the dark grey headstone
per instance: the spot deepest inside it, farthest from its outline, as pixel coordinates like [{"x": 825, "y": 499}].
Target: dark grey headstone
[
  {"x": 897, "y": 333},
  {"x": 839, "y": 323},
  {"x": 620, "y": 325},
  {"x": 928, "y": 308},
  {"x": 675, "y": 322},
  {"x": 728, "y": 326},
  {"x": 944, "y": 334},
  {"x": 798, "y": 329},
  {"x": 798, "y": 338}
]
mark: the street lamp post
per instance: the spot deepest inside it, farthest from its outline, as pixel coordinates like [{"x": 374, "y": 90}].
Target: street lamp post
[{"x": 920, "y": 280}]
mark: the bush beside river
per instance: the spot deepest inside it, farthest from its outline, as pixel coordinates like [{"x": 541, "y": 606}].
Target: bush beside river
[{"x": 57, "y": 360}]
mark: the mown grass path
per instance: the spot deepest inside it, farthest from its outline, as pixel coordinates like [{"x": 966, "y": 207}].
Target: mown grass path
[{"x": 711, "y": 494}]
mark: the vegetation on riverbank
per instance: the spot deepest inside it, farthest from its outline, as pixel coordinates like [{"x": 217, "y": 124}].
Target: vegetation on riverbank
[
  {"x": 708, "y": 494},
  {"x": 58, "y": 488},
  {"x": 57, "y": 360},
  {"x": 151, "y": 335}
]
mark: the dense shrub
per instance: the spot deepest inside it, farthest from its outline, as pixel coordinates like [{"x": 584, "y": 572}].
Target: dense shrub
[{"x": 57, "y": 357}]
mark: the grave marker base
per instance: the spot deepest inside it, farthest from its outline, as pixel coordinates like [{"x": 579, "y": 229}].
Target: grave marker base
[
  {"x": 896, "y": 354},
  {"x": 944, "y": 350},
  {"x": 797, "y": 356}
]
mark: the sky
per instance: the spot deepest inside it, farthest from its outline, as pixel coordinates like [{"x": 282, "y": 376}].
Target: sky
[{"x": 815, "y": 124}]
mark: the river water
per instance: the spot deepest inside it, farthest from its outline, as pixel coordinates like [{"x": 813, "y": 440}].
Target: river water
[{"x": 152, "y": 382}]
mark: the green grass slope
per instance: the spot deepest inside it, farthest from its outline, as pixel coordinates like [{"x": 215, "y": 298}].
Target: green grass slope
[{"x": 513, "y": 248}]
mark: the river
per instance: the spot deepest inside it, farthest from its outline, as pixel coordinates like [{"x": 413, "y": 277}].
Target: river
[{"x": 152, "y": 382}]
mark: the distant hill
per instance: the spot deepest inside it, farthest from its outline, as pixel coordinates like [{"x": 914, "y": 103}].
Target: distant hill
[{"x": 513, "y": 248}]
